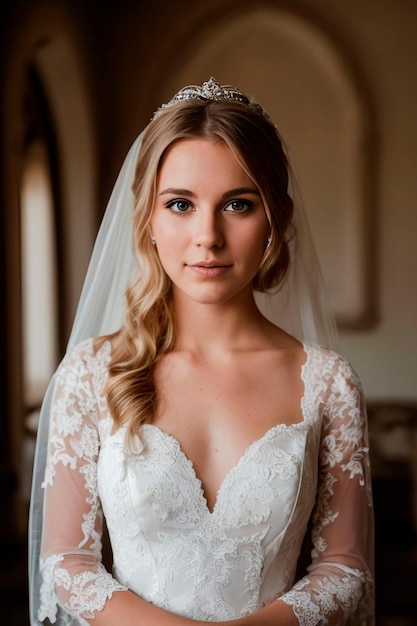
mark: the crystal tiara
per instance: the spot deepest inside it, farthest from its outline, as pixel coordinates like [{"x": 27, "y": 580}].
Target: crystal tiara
[{"x": 212, "y": 91}]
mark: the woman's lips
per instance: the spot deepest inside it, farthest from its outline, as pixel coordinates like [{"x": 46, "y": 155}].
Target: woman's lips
[{"x": 209, "y": 270}]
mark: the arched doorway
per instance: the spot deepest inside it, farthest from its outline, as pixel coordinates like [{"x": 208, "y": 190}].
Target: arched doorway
[
  {"x": 314, "y": 92},
  {"x": 44, "y": 44}
]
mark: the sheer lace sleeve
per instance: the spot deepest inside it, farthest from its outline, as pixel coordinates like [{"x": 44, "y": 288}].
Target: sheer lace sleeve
[
  {"x": 73, "y": 575},
  {"x": 338, "y": 587}
]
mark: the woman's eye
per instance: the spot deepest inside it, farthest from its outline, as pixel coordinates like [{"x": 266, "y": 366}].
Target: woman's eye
[
  {"x": 179, "y": 206},
  {"x": 238, "y": 206}
]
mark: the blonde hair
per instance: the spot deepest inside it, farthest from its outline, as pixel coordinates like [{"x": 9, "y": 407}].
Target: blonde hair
[{"x": 148, "y": 331}]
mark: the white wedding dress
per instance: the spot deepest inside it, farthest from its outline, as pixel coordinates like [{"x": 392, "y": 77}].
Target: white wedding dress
[{"x": 169, "y": 547}]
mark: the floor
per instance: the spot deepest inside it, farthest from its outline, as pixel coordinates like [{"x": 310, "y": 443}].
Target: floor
[{"x": 396, "y": 564}]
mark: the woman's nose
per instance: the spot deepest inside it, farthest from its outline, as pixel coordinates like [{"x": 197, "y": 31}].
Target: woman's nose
[{"x": 207, "y": 230}]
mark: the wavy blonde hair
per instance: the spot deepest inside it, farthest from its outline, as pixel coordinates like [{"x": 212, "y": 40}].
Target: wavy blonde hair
[{"x": 148, "y": 331}]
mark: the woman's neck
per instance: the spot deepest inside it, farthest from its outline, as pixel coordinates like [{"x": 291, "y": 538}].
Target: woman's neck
[{"x": 217, "y": 328}]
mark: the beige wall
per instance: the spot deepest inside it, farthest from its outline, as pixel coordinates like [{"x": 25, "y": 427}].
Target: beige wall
[
  {"x": 377, "y": 37},
  {"x": 382, "y": 35}
]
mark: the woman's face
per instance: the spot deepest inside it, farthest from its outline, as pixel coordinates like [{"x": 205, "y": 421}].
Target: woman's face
[{"x": 209, "y": 222}]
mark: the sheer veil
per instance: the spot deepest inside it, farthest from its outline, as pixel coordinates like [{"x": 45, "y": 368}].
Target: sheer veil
[
  {"x": 300, "y": 307},
  {"x": 99, "y": 311}
]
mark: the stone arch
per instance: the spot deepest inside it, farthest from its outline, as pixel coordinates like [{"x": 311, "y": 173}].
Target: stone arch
[
  {"x": 315, "y": 93},
  {"x": 46, "y": 38}
]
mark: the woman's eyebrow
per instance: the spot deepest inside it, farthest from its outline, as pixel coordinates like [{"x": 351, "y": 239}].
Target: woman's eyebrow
[
  {"x": 174, "y": 191},
  {"x": 241, "y": 190}
]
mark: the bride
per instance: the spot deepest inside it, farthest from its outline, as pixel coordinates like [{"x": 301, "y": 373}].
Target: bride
[{"x": 206, "y": 437}]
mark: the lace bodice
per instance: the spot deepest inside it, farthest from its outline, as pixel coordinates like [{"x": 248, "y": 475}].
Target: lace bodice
[{"x": 169, "y": 548}]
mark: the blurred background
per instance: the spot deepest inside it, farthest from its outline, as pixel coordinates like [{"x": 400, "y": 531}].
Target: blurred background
[{"x": 80, "y": 79}]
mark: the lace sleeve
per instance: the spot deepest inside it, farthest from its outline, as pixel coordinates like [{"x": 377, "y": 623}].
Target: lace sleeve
[
  {"x": 73, "y": 575},
  {"x": 338, "y": 587}
]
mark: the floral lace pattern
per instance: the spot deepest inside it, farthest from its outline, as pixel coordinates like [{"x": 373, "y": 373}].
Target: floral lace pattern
[{"x": 168, "y": 546}]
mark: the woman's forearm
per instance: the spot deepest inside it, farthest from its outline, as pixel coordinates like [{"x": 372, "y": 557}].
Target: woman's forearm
[
  {"x": 277, "y": 613},
  {"x": 128, "y": 609}
]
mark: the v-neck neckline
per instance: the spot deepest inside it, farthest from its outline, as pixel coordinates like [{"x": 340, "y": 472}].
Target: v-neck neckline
[
  {"x": 256, "y": 443},
  {"x": 245, "y": 456}
]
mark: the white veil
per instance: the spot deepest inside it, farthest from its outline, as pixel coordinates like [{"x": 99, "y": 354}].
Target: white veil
[
  {"x": 99, "y": 311},
  {"x": 300, "y": 307}
]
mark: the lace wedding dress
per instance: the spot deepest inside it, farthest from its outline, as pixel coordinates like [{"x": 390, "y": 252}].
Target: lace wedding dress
[{"x": 175, "y": 552}]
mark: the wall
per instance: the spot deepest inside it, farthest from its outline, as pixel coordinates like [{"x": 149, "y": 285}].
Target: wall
[
  {"x": 383, "y": 37},
  {"x": 380, "y": 36},
  {"x": 129, "y": 48},
  {"x": 132, "y": 48}
]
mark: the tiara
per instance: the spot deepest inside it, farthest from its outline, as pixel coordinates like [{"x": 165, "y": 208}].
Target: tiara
[{"x": 212, "y": 91}]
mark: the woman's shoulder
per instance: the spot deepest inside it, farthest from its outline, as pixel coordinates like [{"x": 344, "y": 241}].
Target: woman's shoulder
[
  {"x": 333, "y": 369},
  {"x": 88, "y": 356},
  {"x": 325, "y": 354}
]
